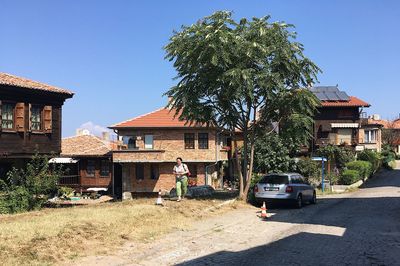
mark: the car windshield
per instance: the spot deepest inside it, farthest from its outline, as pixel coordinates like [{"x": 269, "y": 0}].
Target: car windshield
[{"x": 275, "y": 179}]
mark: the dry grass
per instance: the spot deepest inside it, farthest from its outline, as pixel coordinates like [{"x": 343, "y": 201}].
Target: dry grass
[{"x": 52, "y": 236}]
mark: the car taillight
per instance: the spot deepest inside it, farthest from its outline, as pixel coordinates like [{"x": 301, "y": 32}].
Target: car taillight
[
  {"x": 255, "y": 189},
  {"x": 289, "y": 189}
]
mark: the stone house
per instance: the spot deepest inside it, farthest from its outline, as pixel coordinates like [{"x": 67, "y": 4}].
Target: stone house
[
  {"x": 30, "y": 120},
  {"x": 87, "y": 161},
  {"x": 150, "y": 144},
  {"x": 339, "y": 121}
]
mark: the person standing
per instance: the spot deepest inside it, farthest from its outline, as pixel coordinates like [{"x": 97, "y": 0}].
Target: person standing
[{"x": 181, "y": 174}]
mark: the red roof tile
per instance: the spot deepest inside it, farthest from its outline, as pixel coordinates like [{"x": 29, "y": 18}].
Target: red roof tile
[
  {"x": 85, "y": 145},
  {"x": 163, "y": 117},
  {"x": 353, "y": 102},
  {"x": 11, "y": 80}
]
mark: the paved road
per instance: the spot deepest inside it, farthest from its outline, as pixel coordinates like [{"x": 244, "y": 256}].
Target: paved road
[{"x": 361, "y": 228}]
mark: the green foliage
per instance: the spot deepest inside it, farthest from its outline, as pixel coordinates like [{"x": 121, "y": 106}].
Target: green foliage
[
  {"x": 66, "y": 192},
  {"x": 30, "y": 187},
  {"x": 228, "y": 71},
  {"x": 349, "y": 177},
  {"x": 271, "y": 155},
  {"x": 373, "y": 157},
  {"x": 364, "y": 168},
  {"x": 310, "y": 169},
  {"x": 388, "y": 157},
  {"x": 336, "y": 154}
]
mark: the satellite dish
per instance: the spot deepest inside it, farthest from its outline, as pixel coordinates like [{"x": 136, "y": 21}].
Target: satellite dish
[{"x": 85, "y": 132}]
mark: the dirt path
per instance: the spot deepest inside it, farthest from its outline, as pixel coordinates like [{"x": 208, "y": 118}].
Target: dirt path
[{"x": 360, "y": 228}]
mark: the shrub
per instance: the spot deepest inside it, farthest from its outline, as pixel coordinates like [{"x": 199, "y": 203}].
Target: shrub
[
  {"x": 310, "y": 169},
  {"x": 337, "y": 155},
  {"x": 364, "y": 168},
  {"x": 349, "y": 177},
  {"x": 392, "y": 164},
  {"x": 29, "y": 188},
  {"x": 373, "y": 157}
]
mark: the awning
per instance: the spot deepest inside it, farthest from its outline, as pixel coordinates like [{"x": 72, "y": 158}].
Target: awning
[
  {"x": 62, "y": 160},
  {"x": 345, "y": 125}
]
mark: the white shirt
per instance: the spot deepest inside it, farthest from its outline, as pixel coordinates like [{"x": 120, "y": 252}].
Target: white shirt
[{"x": 180, "y": 170}]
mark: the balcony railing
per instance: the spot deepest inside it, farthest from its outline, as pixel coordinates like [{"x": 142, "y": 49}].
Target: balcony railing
[{"x": 69, "y": 180}]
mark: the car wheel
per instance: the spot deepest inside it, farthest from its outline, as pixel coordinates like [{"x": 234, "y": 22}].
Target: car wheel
[
  {"x": 299, "y": 202},
  {"x": 314, "y": 198}
]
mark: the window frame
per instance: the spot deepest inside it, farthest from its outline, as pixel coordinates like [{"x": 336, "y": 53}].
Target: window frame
[
  {"x": 154, "y": 169},
  {"x": 105, "y": 163},
  {"x": 127, "y": 144},
  {"x": 12, "y": 104},
  {"x": 152, "y": 142},
  {"x": 186, "y": 140},
  {"x": 137, "y": 171},
  {"x": 200, "y": 141},
  {"x": 368, "y": 134},
  {"x": 40, "y": 108},
  {"x": 87, "y": 168}
]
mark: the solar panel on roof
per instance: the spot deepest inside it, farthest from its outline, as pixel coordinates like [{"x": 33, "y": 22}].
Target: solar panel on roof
[
  {"x": 332, "y": 96},
  {"x": 343, "y": 96},
  {"x": 321, "y": 96}
]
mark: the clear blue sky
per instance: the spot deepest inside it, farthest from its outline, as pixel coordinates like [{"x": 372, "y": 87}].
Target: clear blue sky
[{"x": 110, "y": 52}]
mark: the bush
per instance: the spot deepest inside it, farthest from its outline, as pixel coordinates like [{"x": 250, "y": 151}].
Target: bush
[
  {"x": 349, "y": 177},
  {"x": 364, "y": 168},
  {"x": 373, "y": 157},
  {"x": 29, "y": 188},
  {"x": 310, "y": 169},
  {"x": 392, "y": 164},
  {"x": 15, "y": 201},
  {"x": 337, "y": 155}
]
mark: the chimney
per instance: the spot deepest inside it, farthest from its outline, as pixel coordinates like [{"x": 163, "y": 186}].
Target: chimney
[
  {"x": 105, "y": 135},
  {"x": 79, "y": 131}
]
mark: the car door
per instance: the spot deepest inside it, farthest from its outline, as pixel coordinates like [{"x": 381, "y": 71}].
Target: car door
[{"x": 307, "y": 189}]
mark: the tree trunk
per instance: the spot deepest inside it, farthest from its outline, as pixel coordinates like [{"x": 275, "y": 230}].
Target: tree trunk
[
  {"x": 245, "y": 156},
  {"x": 252, "y": 147},
  {"x": 238, "y": 167}
]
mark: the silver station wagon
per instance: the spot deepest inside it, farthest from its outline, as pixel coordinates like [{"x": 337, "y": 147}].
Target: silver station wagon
[{"x": 285, "y": 187}]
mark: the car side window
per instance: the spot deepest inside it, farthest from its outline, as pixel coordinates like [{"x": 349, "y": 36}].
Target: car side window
[
  {"x": 294, "y": 179},
  {"x": 301, "y": 179}
]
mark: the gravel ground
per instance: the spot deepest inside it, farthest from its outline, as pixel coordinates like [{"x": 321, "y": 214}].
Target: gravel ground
[{"x": 360, "y": 228}]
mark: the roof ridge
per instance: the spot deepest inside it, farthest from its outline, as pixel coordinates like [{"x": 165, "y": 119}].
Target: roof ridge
[
  {"x": 47, "y": 87},
  {"x": 139, "y": 116}
]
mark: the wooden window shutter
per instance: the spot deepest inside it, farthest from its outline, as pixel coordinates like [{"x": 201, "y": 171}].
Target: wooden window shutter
[
  {"x": 20, "y": 117},
  {"x": 47, "y": 119}
]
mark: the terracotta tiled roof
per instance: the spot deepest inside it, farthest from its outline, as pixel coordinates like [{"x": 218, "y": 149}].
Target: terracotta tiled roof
[
  {"x": 11, "y": 80},
  {"x": 163, "y": 117},
  {"x": 85, "y": 145},
  {"x": 352, "y": 102}
]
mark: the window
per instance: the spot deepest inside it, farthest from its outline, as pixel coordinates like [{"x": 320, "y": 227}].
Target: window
[
  {"x": 275, "y": 179},
  {"x": 370, "y": 136},
  {"x": 203, "y": 140},
  {"x": 129, "y": 142},
  {"x": 105, "y": 168},
  {"x": 189, "y": 140},
  {"x": 90, "y": 168},
  {"x": 139, "y": 171},
  {"x": 154, "y": 171},
  {"x": 7, "y": 116},
  {"x": 36, "y": 118},
  {"x": 148, "y": 142},
  {"x": 192, "y": 170}
]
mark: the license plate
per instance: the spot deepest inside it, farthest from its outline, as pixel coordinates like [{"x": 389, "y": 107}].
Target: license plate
[{"x": 271, "y": 189}]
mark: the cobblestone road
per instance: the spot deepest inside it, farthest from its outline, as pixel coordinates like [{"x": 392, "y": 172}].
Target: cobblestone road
[{"x": 360, "y": 228}]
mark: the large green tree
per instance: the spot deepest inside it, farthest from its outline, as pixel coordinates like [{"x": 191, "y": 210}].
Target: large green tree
[{"x": 229, "y": 71}]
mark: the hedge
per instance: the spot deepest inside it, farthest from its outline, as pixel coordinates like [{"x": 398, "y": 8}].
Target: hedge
[
  {"x": 349, "y": 177},
  {"x": 364, "y": 168}
]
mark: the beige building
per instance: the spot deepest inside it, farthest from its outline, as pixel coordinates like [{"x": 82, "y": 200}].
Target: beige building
[{"x": 150, "y": 144}]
